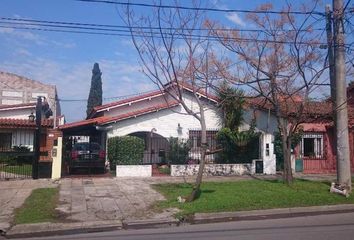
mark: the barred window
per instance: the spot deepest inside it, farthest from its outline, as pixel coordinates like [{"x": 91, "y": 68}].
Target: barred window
[
  {"x": 195, "y": 137},
  {"x": 312, "y": 145},
  {"x": 5, "y": 141}
]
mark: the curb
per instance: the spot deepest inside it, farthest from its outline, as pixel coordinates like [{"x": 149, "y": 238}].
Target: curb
[
  {"x": 50, "y": 229},
  {"x": 154, "y": 223},
  {"x": 201, "y": 218}
]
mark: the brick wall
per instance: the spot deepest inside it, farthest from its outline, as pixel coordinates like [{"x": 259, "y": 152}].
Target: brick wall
[{"x": 49, "y": 136}]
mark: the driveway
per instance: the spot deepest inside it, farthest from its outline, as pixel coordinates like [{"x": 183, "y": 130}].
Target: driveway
[{"x": 97, "y": 199}]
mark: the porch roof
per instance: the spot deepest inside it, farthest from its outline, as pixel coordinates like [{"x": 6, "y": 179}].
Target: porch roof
[
  {"x": 106, "y": 120},
  {"x": 23, "y": 123},
  {"x": 152, "y": 94}
]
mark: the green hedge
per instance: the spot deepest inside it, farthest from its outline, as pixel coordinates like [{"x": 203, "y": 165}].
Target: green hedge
[
  {"x": 178, "y": 152},
  {"x": 126, "y": 150}
]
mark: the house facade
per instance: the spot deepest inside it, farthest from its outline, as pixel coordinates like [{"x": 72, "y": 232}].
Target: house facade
[
  {"x": 156, "y": 117},
  {"x": 316, "y": 152},
  {"x": 18, "y": 96},
  {"x": 15, "y": 89}
]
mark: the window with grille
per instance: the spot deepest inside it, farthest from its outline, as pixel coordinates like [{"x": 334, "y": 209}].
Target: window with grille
[
  {"x": 196, "y": 135},
  {"x": 312, "y": 145},
  {"x": 5, "y": 141}
]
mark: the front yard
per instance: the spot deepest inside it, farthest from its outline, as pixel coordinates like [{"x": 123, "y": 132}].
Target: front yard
[
  {"x": 38, "y": 207},
  {"x": 249, "y": 195}
]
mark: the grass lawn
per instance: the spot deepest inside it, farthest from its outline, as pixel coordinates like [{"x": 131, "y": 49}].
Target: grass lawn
[
  {"x": 249, "y": 195},
  {"x": 38, "y": 207},
  {"x": 25, "y": 169}
]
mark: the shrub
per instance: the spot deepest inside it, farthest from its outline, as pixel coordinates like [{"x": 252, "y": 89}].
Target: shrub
[
  {"x": 178, "y": 152},
  {"x": 126, "y": 150},
  {"x": 238, "y": 147}
]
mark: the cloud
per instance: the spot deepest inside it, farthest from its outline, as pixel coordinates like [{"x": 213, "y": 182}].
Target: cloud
[
  {"x": 13, "y": 34},
  {"x": 235, "y": 18},
  {"x": 73, "y": 80}
]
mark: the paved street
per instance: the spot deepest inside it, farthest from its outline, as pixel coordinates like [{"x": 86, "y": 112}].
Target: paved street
[{"x": 335, "y": 226}]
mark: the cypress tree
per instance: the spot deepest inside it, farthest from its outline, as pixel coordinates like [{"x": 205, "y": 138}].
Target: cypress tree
[{"x": 95, "y": 95}]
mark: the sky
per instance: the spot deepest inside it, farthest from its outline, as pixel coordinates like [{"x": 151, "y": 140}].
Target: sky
[{"x": 66, "y": 59}]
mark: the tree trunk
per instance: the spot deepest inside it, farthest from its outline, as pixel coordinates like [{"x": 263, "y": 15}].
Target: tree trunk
[
  {"x": 196, "y": 188},
  {"x": 287, "y": 176}
]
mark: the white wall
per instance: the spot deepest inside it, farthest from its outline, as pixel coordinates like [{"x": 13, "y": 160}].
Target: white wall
[
  {"x": 269, "y": 159},
  {"x": 17, "y": 113},
  {"x": 166, "y": 121}
]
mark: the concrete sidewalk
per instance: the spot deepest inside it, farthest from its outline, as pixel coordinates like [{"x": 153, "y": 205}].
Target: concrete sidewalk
[
  {"x": 50, "y": 229},
  {"x": 99, "y": 199},
  {"x": 118, "y": 202},
  {"x": 13, "y": 194}
]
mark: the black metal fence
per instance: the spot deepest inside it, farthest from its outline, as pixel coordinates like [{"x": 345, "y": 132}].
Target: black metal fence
[
  {"x": 176, "y": 150},
  {"x": 15, "y": 164}
]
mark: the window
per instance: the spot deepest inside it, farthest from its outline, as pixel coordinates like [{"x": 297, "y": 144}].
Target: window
[
  {"x": 267, "y": 149},
  {"x": 5, "y": 141},
  {"x": 11, "y": 94},
  {"x": 312, "y": 145},
  {"x": 10, "y": 101},
  {"x": 195, "y": 137}
]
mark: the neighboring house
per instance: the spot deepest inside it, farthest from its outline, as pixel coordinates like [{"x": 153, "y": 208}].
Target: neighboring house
[
  {"x": 18, "y": 97},
  {"x": 156, "y": 116},
  {"x": 16, "y": 129},
  {"x": 16, "y": 89},
  {"x": 316, "y": 152}
]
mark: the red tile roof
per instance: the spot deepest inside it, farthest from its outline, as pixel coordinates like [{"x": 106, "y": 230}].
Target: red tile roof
[
  {"x": 23, "y": 123},
  {"x": 105, "y": 119},
  {"x": 148, "y": 95},
  {"x": 292, "y": 107},
  {"x": 129, "y": 100},
  {"x": 138, "y": 112}
]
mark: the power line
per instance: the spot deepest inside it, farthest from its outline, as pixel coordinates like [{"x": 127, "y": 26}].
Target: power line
[
  {"x": 109, "y": 26},
  {"x": 158, "y": 35},
  {"x": 202, "y": 8},
  {"x": 106, "y": 98}
]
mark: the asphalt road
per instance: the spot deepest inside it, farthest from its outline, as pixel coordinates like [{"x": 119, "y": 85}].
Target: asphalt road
[{"x": 322, "y": 227}]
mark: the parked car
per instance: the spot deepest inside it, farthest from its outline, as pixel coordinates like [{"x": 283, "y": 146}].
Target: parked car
[{"x": 87, "y": 155}]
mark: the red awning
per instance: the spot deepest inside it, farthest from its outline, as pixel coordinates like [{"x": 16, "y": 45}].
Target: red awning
[{"x": 313, "y": 127}]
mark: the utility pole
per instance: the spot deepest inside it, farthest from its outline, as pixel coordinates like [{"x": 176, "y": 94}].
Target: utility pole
[
  {"x": 330, "y": 55},
  {"x": 37, "y": 138},
  {"x": 343, "y": 156}
]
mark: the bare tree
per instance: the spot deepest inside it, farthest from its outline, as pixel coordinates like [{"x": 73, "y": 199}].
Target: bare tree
[
  {"x": 282, "y": 64},
  {"x": 175, "y": 53}
]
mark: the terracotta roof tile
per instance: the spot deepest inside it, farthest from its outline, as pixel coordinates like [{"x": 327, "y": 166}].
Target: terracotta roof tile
[
  {"x": 105, "y": 120},
  {"x": 23, "y": 123},
  {"x": 128, "y": 100}
]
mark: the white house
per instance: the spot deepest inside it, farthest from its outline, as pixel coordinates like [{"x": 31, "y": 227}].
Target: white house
[{"x": 156, "y": 116}]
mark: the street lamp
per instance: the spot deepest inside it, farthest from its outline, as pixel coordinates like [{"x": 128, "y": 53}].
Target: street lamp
[{"x": 31, "y": 117}]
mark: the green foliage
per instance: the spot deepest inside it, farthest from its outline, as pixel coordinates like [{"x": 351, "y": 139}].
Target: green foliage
[
  {"x": 178, "y": 152},
  {"x": 233, "y": 150},
  {"x": 126, "y": 150},
  {"x": 231, "y": 105},
  {"x": 238, "y": 146},
  {"x": 278, "y": 147},
  {"x": 249, "y": 195},
  {"x": 95, "y": 95},
  {"x": 39, "y": 207}
]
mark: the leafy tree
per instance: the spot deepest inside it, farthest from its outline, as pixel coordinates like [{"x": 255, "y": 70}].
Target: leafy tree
[
  {"x": 95, "y": 95},
  {"x": 235, "y": 143},
  {"x": 178, "y": 152}
]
